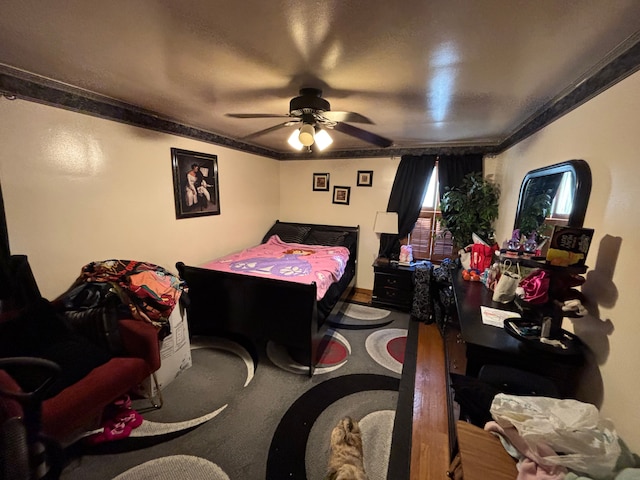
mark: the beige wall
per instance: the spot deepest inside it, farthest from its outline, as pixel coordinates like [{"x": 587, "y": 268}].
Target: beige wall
[
  {"x": 299, "y": 203},
  {"x": 79, "y": 189},
  {"x": 604, "y": 132}
]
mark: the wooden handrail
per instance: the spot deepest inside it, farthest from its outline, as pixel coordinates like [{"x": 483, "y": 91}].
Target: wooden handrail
[{"x": 430, "y": 455}]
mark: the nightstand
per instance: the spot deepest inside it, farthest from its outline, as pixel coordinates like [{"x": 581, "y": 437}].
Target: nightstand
[{"x": 392, "y": 286}]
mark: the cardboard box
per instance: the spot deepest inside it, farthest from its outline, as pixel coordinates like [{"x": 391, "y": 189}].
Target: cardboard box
[
  {"x": 569, "y": 246},
  {"x": 175, "y": 354}
]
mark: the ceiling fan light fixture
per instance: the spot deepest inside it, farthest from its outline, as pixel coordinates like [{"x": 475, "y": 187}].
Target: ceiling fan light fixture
[
  {"x": 306, "y": 135},
  {"x": 293, "y": 140},
  {"x": 323, "y": 140}
]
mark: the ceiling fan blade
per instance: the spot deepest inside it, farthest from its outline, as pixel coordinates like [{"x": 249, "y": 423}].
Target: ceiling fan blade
[
  {"x": 363, "y": 135},
  {"x": 256, "y": 115},
  {"x": 270, "y": 129},
  {"x": 337, "y": 116}
]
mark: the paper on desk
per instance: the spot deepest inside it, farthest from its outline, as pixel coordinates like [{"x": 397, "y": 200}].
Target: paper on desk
[{"x": 496, "y": 317}]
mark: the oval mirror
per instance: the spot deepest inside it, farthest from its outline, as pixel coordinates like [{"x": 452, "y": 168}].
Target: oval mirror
[{"x": 553, "y": 195}]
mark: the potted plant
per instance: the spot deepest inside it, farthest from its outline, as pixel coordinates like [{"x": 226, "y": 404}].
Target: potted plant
[{"x": 471, "y": 208}]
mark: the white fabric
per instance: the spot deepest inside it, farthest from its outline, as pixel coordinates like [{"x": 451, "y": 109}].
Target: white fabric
[{"x": 583, "y": 441}]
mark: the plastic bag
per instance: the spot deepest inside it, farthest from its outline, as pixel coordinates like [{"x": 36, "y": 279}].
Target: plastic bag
[
  {"x": 481, "y": 256},
  {"x": 583, "y": 441},
  {"x": 406, "y": 253},
  {"x": 465, "y": 259},
  {"x": 505, "y": 289}
]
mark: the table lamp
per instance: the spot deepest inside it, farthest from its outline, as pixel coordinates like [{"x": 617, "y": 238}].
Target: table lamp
[{"x": 386, "y": 222}]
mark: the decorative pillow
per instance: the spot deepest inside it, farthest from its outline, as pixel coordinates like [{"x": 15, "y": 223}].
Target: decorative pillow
[
  {"x": 327, "y": 238},
  {"x": 287, "y": 232}
]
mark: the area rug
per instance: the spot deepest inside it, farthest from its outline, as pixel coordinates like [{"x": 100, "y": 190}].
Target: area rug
[{"x": 250, "y": 412}]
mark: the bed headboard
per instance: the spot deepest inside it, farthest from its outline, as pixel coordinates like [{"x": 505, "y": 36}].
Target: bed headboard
[{"x": 315, "y": 234}]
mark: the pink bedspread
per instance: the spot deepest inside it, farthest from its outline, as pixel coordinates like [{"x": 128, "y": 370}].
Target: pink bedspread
[{"x": 288, "y": 261}]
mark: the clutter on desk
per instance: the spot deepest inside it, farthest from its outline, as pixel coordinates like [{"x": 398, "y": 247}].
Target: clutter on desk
[
  {"x": 569, "y": 246},
  {"x": 496, "y": 317},
  {"x": 540, "y": 287},
  {"x": 476, "y": 258},
  {"x": 505, "y": 288}
]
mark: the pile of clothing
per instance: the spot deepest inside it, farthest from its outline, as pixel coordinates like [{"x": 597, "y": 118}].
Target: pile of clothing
[{"x": 555, "y": 439}]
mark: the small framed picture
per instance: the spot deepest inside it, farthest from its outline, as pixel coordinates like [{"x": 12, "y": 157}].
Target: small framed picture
[
  {"x": 321, "y": 182},
  {"x": 341, "y": 195},
  {"x": 195, "y": 183},
  {"x": 365, "y": 178}
]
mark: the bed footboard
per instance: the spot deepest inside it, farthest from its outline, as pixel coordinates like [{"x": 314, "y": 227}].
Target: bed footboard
[{"x": 254, "y": 307}]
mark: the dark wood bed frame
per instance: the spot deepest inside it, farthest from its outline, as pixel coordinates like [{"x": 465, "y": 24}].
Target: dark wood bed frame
[{"x": 262, "y": 308}]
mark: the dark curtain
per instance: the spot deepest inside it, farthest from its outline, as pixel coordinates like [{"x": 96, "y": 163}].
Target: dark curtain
[
  {"x": 5, "y": 254},
  {"x": 453, "y": 168},
  {"x": 409, "y": 187}
]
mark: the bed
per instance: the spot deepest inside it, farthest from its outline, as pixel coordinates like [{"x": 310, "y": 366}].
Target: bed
[{"x": 261, "y": 307}]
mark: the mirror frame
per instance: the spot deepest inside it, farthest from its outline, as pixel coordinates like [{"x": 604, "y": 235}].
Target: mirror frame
[{"x": 582, "y": 174}]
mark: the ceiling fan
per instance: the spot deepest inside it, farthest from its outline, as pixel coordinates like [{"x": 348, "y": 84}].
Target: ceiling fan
[{"x": 313, "y": 115}]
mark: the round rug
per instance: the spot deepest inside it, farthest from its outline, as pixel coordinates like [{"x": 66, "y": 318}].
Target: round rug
[
  {"x": 335, "y": 355},
  {"x": 360, "y": 316},
  {"x": 236, "y": 370},
  {"x": 377, "y": 430},
  {"x": 311, "y": 417},
  {"x": 387, "y": 348},
  {"x": 185, "y": 467}
]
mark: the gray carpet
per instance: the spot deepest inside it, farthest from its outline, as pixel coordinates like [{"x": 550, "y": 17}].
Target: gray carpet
[{"x": 223, "y": 419}]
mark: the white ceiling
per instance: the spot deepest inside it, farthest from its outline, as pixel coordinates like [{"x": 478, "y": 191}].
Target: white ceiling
[{"x": 436, "y": 73}]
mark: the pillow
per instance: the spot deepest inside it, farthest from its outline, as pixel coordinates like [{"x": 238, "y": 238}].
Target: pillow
[
  {"x": 319, "y": 237},
  {"x": 290, "y": 233}
]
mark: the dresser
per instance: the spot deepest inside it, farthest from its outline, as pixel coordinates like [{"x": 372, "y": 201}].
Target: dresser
[
  {"x": 392, "y": 286},
  {"x": 488, "y": 345}
]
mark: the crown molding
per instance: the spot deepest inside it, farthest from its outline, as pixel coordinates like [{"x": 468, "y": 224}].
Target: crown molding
[{"x": 15, "y": 83}]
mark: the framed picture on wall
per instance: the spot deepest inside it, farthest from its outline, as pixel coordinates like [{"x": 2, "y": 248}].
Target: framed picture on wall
[
  {"x": 365, "y": 178},
  {"x": 341, "y": 195},
  {"x": 321, "y": 182},
  {"x": 195, "y": 183}
]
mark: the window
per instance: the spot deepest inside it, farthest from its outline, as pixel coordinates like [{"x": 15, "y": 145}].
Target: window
[
  {"x": 563, "y": 201},
  {"x": 427, "y": 239}
]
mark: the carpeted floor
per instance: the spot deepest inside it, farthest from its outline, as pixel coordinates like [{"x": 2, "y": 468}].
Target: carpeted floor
[{"x": 251, "y": 415}]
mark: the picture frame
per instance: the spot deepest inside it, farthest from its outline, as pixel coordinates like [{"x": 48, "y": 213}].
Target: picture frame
[
  {"x": 341, "y": 195},
  {"x": 320, "y": 182},
  {"x": 365, "y": 178},
  {"x": 196, "y": 191}
]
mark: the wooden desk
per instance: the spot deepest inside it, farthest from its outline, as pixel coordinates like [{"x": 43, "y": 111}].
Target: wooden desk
[
  {"x": 482, "y": 455},
  {"x": 486, "y": 344}
]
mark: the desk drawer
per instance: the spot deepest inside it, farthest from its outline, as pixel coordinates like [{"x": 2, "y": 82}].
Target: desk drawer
[
  {"x": 393, "y": 295},
  {"x": 401, "y": 282},
  {"x": 394, "y": 290}
]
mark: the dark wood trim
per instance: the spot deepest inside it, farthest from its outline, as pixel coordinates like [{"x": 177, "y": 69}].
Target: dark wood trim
[
  {"x": 430, "y": 455},
  {"x": 625, "y": 64}
]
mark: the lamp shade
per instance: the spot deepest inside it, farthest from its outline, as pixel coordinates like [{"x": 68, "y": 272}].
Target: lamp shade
[
  {"x": 306, "y": 135},
  {"x": 293, "y": 140},
  {"x": 323, "y": 140},
  {"x": 386, "y": 222}
]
